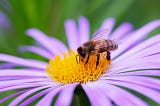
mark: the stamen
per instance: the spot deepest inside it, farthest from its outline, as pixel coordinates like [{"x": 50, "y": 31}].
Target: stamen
[{"x": 67, "y": 70}]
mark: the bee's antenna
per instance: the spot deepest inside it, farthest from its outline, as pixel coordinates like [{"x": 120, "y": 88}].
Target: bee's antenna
[{"x": 77, "y": 59}]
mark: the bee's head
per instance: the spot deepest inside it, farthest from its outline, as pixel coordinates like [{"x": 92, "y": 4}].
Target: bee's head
[{"x": 81, "y": 52}]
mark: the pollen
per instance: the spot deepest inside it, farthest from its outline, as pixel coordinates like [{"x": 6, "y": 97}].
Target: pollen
[{"x": 68, "y": 70}]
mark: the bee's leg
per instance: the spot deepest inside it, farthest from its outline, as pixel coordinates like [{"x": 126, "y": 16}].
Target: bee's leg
[
  {"x": 97, "y": 62},
  {"x": 77, "y": 59},
  {"x": 87, "y": 59},
  {"x": 108, "y": 57}
]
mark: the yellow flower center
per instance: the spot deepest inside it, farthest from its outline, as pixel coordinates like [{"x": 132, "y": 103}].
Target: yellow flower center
[{"x": 67, "y": 70}]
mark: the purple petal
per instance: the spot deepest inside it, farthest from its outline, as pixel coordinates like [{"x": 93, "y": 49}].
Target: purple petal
[
  {"x": 4, "y": 22},
  {"x": 44, "y": 83},
  {"x": 10, "y": 82},
  {"x": 11, "y": 95},
  {"x": 108, "y": 24},
  {"x": 136, "y": 36},
  {"x": 141, "y": 73},
  {"x": 26, "y": 94},
  {"x": 136, "y": 60},
  {"x": 139, "y": 80},
  {"x": 22, "y": 61},
  {"x": 21, "y": 72},
  {"x": 37, "y": 50},
  {"x": 45, "y": 41},
  {"x": 142, "y": 46},
  {"x": 60, "y": 45},
  {"x": 48, "y": 97},
  {"x": 72, "y": 34},
  {"x": 65, "y": 96},
  {"x": 147, "y": 53},
  {"x": 32, "y": 98},
  {"x": 152, "y": 64},
  {"x": 4, "y": 78},
  {"x": 152, "y": 59},
  {"x": 150, "y": 93},
  {"x": 19, "y": 87},
  {"x": 121, "y": 31},
  {"x": 120, "y": 96},
  {"x": 93, "y": 93},
  {"x": 7, "y": 65},
  {"x": 84, "y": 31}
]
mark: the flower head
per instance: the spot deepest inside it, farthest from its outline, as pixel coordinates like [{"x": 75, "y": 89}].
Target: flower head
[
  {"x": 133, "y": 66},
  {"x": 68, "y": 70}
]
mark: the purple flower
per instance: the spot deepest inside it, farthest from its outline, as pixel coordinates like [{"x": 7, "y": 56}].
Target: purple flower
[
  {"x": 4, "y": 22},
  {"x": 134, "y": 65}
]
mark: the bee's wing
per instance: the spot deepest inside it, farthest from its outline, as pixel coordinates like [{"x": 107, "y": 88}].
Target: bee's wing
[{"x": 100, "y": 34}]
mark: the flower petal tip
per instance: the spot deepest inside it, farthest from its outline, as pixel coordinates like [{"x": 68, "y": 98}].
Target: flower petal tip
[
  {"x": 110, "y": 19},
  {"x": 83, "y": 18},
  {"x": 32, "y": 31},
  {"x": 21, "y": 49},
  {"x": 68, "y": 22},
  {"x": 129, "y": 25}
]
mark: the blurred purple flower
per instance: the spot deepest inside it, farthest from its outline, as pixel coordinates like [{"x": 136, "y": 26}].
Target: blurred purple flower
[
  {"x": 133, "y": 66},
  {"x": 4, "y": 22}
]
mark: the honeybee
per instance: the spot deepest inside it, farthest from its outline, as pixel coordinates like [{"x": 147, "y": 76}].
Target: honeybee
[{"x": 96, "y": 46}]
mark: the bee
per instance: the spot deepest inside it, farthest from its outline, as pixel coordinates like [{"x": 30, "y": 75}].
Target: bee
[{"x": 96, "y": 46}]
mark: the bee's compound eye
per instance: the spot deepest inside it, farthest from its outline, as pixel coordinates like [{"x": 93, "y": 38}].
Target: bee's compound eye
[
  {"x": 81, "y": 52},
  {"x": 79, "y": 49}
]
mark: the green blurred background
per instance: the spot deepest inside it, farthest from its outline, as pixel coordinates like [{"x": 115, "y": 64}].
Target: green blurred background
[{"x": 49, "y": 16}]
